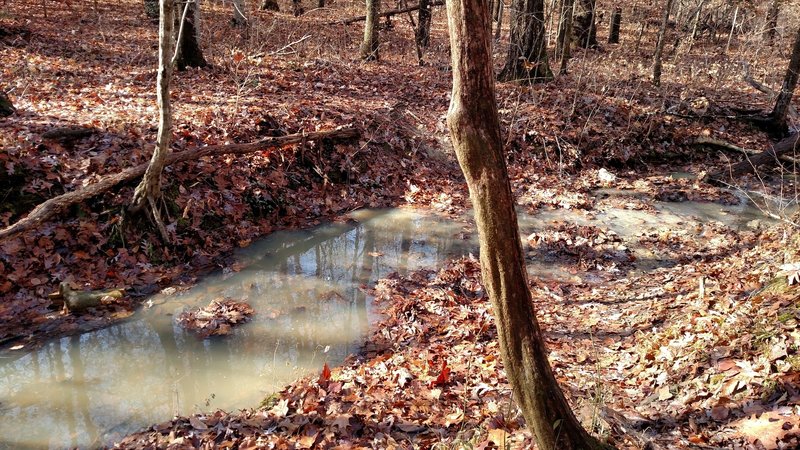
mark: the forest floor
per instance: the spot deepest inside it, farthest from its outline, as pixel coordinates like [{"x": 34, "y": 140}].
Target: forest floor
[{"x": 701, "y": 354}]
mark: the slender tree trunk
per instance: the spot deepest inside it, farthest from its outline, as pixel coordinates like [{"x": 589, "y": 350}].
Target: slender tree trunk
[
  {"x": 189, "y": 52},
  {"x": 662, "y": 35},
  {"x": 527, "y": 54},
  {"x": 475, "y": 133},
  {"x": 498, "y": 9},
  {"x": 423, "y": 36},
  {"x": 772, "y": 22},
  {"x": 369, "y": 48},
  {"x": 787, "y": 89},
  {"x": 733, "y": 27},
  {"x": 584, "y": 25},
  {"x": 149, "y": 189},
  {"x": 239, "y": 17},
  {"x": 564, "y": 41},
  {"x": 616, "y": 24},
  {"x": 696, "y": 23}
]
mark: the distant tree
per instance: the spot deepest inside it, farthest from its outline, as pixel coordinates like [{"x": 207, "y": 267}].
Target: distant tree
[
  {"x": 189, "y": 53},
  {"x": 369, "y": 48},
  {"x": 527, "y": 54},
  {"x": 423, "y": 35},
  {"x": 239, "y": 17},
  {"x": 616, "y": 24},
  {"x": 6, "y": 107},
  {"x": 475, "y": 133},
  {"x": 148, "y": 192},
  {"x": 662, "y": 35},
  {"x": 584, "y": 25},
  {"x": 772, "y": 22},
  {"x": 784, "y": 99},
  {"x": 151, "y": 9},
  {"x": 564, "y": 40},
  {"x": 270, "y": 5}
]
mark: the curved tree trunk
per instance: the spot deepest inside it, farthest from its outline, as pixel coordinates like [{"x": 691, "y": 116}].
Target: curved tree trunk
[
  {"x": 369, "y": 48},
  {"x": 584, "y": 26},
  {"x": 149, "y": 190},
  {"x": 662, "y": 35},
  {"x": 787, "y": 89},
  {"x": 475, "y": 132},
  {"x": 527, "y": 54},
  {"x": 564, "y": 40},
  {"x": 616, "y": 24},
  {"x": 189, "y": 52}
]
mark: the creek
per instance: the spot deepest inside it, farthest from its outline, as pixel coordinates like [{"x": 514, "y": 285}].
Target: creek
[{"x": 88, "y": 390}]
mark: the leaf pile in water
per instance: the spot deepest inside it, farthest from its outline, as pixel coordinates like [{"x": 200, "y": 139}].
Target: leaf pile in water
[{"x": 216, "y": 319}]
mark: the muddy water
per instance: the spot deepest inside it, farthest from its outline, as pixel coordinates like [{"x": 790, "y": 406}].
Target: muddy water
[{"x": 89, "y": 390}]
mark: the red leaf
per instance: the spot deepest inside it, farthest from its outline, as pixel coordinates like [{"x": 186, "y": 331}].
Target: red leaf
[
  {"x": 444, "y": 376},
  {"x": 326, "y": 373}
]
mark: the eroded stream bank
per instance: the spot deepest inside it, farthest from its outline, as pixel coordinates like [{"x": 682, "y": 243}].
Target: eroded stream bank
[{"x": 91, "y": 389}]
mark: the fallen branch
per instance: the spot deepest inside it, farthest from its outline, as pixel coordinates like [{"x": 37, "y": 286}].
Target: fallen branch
[
  {"x": 385, "y": 14},
  {"x": 54, "y": 206},
  {"x": 751, "y": 163}
]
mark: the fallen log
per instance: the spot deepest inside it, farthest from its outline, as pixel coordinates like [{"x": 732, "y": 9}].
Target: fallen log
[
  {"x": 385, "y": 14},
  {"x": 751, "y": 163},
  {"x": 54, "y": 206}
]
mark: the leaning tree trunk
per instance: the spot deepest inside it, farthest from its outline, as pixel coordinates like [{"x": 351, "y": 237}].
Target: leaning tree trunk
[
  {"x": 475, "y": 133},
  {"x": 616, "y": 24},
  {"x": 369, "y": 48},
  {"x": 584, "y": 27},
  {"x": 189, "y": 52},
  {"x": 149, "y": 189},
  {"x": 772, "y": 22},
  {"x": 423, "y": 36},
  {"x": 662, "y": 36},
  {"x": 787, "y": 89},
  {"x": 527, "y": 54},
  {"x": 564, "y": 40}
]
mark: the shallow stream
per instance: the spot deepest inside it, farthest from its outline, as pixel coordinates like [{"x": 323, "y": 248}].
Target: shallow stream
[{"x": 88, "y": 390}]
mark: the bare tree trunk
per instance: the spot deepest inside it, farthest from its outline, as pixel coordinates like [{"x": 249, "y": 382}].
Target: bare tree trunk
[
  {"x": 189, "y": 52},
  {"x": 564, "y": 41},
  {"x": 369, "y": 48},
  {"x": 149, "y": 189},
  {"x": 239, "y": 17},
  {"x": 662, "y": 35},
  {"x": 772, "y": 22},
  {"x": 501, "y": 6},
  {"x": 423, "y": 36},
  {"x": 787, "y": 89},
  {"x": 733, "y": 27},
  {"x": 616, "y": 24},
  {"x": 270, "y": 5},
  {"x": 584, "y": 25},
  {"x": 527, "y": 55},
  {"x": 151, "y": 9},
  {"x": 696, "y": 23},
  {"x": 475, "y": 133}
]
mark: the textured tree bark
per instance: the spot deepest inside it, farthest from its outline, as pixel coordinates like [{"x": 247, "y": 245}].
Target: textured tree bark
[
  {"x": 662, "y": 35},
  {"x": 527, "y": 54},
  {"x": 584, "y": 27},
  {"x": 564, "y": 40},
  {"x": 369, "y": 48},
  {"x": 787, "y": 89},
  {"x": 189, "y": 52},
  {"x": 475, "y": 132},
  {"x": 423, "y": 36},
  {"x": 616, "y": 24},
  {"x": 149, "y": 190},
  {"x": 239, "y": 18},
  {"x": 788, "y": 146}
]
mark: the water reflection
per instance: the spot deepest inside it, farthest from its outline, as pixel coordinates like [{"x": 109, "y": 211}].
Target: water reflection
[
  {"x": 91, "y": 389},
  {"x": 88, "y": 390}
]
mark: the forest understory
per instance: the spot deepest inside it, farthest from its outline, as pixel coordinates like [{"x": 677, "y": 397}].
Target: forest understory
[{"x": 704, "y": 353}]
